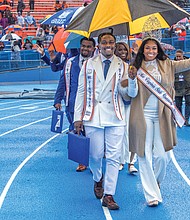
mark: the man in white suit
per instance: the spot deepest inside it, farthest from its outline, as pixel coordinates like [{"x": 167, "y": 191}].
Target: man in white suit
[{"x": 99, "y": 107}]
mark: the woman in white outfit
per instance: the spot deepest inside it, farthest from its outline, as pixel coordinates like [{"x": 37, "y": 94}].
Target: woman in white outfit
[
  {"x": 152, "y": 129},
  {"x": 122, "y": 51}
]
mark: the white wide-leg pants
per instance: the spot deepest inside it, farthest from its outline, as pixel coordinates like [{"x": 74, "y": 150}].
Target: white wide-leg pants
[
  {"x": 110, "y": 139},
  {"x": 154, "y": 152}
]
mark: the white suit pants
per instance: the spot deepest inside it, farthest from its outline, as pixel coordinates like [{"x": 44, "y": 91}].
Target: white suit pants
[
  {"x": 110, "y": 139},
  {"x": 154, "y": 152},
  {"x": 125, "y": 154}
]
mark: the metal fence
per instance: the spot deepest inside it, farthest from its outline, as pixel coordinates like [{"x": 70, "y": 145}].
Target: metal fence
[
  {"x": 22, "y": 60},
  {"x": 26, "y": 59}
]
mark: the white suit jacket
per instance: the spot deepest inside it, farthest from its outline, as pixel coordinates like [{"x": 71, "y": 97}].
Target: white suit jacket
[{"x": 104, "y": 113}]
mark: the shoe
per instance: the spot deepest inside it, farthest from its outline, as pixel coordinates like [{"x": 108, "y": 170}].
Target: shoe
[
  {"x": 121, "y": 166},
  {"x": 109, "y": 202},
  {"x": 132, "y": 169},
  {"x": 153, "y": 203},
  {"x": 81, "y": 168},
  {"x": 98, "y": 189}
]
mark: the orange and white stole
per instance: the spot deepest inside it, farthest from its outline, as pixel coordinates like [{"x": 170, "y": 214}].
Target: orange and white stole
[
  {"x": 89, "y": 91},
  {"x": 161, "y": 93},
  {"x": 67, "y": 76}
]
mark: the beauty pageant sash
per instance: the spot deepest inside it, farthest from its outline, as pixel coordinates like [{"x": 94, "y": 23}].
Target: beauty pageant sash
[{"x": 161, "y": 93}]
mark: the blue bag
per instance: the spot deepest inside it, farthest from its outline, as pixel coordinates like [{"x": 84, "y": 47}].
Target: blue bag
[
  {"x": 57, "y": 121},
  {"x": 78, "y": 148}
]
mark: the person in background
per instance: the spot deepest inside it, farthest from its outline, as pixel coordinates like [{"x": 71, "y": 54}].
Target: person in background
[
  {"x": 103, "y": 115},
  {"x": 29, "y": 20},
  {"x": 64, "y": 5},
  {"x": 31, "y": 4},
  {"x": 4, "y": 21},
  {"x": 20, "y": 6},
  {"x": 12, "y": 3},
  {"x": 15, "y": 53},
  {"x": 9, "y": 15},
  {"x": 2, "y": 45},
  {"x": 57, "y": 6},
  {"x": 27, "y": 45},
  {"x": 20, "y": 19},
  {"x": 122, "y": 51},
  {"x": 152, "y": 127},
  {"x": 40, "y": 33},
  {"x": 68, "y": 93},
  {"x": 55, "y": 60},
  {"x": 182, "y": 87},
  {"x": 54, "y": 29}
]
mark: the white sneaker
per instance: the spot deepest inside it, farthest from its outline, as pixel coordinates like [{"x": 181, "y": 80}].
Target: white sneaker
[
  {"x": 132, "y": 169},
  {"x": 121, "y": 166}
]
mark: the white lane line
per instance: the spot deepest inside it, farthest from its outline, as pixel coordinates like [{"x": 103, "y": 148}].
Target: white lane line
[
  {"x": 179, "y": 168},
  {"x": 4, "y": 103},
  {"x": 26, "y": 125},
  {"x": 106, "y": 212},
  {"x": 3, "y": 109},
  {"x": 23, "y": 113},
  {"x": 9, "y": 183}
]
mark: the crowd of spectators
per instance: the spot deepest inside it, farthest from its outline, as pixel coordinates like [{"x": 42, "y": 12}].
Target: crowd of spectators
[
  {"x": 60, "y": 6},
  {"x": 181, "y": 3}
]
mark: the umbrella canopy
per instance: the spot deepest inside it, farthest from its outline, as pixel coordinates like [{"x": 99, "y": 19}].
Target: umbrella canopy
[
  {"x": 72, "y": 15},
  {"x": 3, "y": 7},
  {"x": 59, "y": 17},
  {"x": 58, "y": 41},
  {"x": 11, "y": 36},
  {"x": 126, "y": 16},
  {"x": 14, "y": 27},
  {"x": 73, "y": 41},
  {"x": 64, "y": 40}
]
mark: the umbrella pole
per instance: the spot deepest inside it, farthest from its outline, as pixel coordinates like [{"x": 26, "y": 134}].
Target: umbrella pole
[
  {"x": 54, "y": 46},
  {"x": 128, "y": 41}
]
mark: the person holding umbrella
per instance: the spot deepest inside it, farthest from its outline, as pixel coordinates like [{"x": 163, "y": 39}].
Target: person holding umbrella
[
  {"x": 153, "y": 116},
  {"x": 103, "y": 115}
]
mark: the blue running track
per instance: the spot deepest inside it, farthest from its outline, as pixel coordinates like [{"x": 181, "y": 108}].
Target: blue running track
[{"x": 38, "y": 182}]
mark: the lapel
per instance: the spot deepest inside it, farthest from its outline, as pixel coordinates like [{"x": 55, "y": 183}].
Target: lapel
[
  {"x": 115, "y": 64},
  {"x": 75, "y": 64},
  {"x": 97, "y": 63}
]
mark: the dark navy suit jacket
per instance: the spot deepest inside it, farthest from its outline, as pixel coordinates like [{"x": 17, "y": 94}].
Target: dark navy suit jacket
[
  {"x": 56, "y": 64},
  {"x": 60, "y": 93}
]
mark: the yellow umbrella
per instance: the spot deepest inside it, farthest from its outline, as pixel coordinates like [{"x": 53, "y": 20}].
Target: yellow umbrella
[{"x": 125, "y": 16}]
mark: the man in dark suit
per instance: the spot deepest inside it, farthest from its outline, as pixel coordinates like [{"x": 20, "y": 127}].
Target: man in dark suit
[
  {"x": 68, "y": 82},
  {"x": 55, "y": 60}
]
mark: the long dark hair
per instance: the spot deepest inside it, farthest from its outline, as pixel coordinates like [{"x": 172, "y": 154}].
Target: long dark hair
[{"x": 140, "y": 55}]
